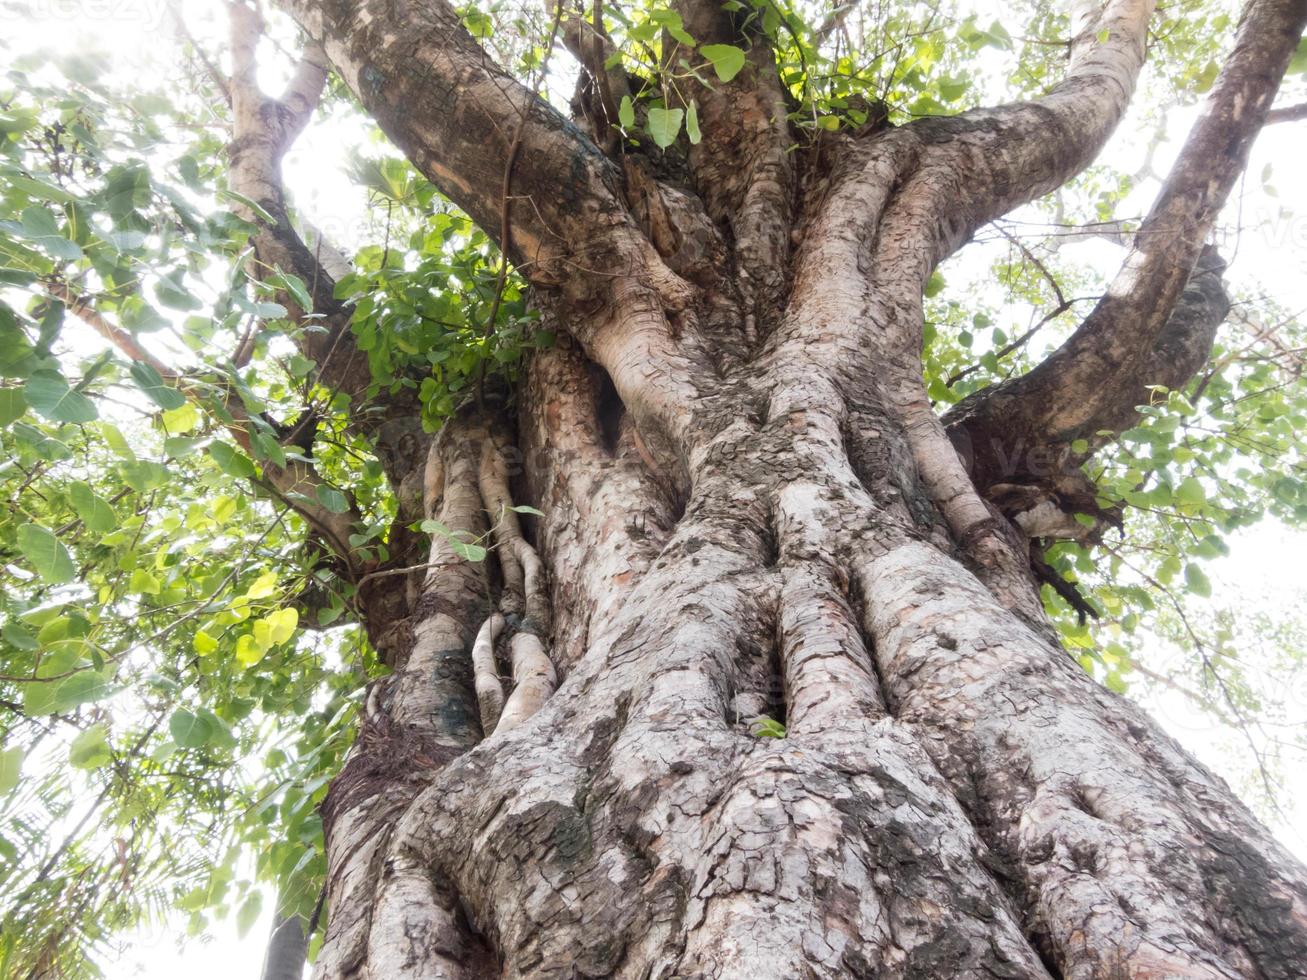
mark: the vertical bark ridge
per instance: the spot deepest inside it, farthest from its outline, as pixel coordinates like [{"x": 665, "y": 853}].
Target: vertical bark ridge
[
  {"x": 629, "y": 825},
  {"x": 1109, "y": 854},
  {"x": 743, "y": 168},
  {"x": 606, "y": 515},
  {"x": 1157, "y": 320}
]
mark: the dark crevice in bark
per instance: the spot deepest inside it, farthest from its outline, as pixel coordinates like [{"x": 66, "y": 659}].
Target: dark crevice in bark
[
  {"x": 608, "y": 408},
  {"x": 858, "y": 604},
  {"x": 757, "y": 686},
  {"x": 771, "y": 544},
  {"x": 1005, "y": 867}
]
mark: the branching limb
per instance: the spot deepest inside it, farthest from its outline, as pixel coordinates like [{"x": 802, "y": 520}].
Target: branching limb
[
  {"x": 1156, "y": 323},
  {"x": 296, "y": 483},
  {"x": 534, "y": 681},
  {"x": 524, "y": 604},
  {"x": 743, "y": 166},
  {"x": 460, "y": 119},
  {"x": 1015, "y": 153},
  {"x": 456, "y": 115},
  {"x": 1289, "y": 113},
  {"x": 589, "y": 43},
  {"x": 263, "y": 130}
]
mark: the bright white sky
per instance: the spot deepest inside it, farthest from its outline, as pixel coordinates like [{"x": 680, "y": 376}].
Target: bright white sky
[{"x": 1262, "y": 573}]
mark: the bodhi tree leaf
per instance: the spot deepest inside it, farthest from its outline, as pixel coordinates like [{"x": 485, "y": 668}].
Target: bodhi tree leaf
[
  {"x": 155, "y": 388},
  {"x": 12, "y": 404},
  {"x": 692, "y": 123},
  {"x": 664, "y": 125},
  {"x": 46, "y": 554},
  {"x": 90, "y": 749},
  {"x": 281, "y": 624},
  {"x": 96, "y": 512},
  {"x": 65, "y": 693},
  {"x": 48, "y": 393},
  {"x": 726, "y": 59},
  {"x": 231, "y": 461},
  {"x": 190, "y": 730},
  {"x": 11, "y": 768}
]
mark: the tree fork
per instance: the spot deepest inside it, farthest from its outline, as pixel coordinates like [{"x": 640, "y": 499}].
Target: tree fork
[{"x": 740, "y": 531}]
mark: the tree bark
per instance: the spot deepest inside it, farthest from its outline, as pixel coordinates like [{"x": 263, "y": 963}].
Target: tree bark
[
  {"x": 767, "y": 689},
  {"x": 288, "y": 945}
]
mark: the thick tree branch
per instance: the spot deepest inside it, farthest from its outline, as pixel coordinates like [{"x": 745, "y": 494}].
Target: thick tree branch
[
  {"x": 1014, "y": 153},
  {"x": 1289, "y": 113},
  {"x": 589, "y": 44},
  {"x": 743, "y": 167},
  {"x": 263, "y": 130},
  {"x": 1156, "y": 323},
  {"x": 460, "y": 119},
  {"x": 456, "y": 115}
]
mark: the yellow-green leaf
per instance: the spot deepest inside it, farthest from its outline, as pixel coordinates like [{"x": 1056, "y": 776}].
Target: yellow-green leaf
[{"x": 726, "y": 59}]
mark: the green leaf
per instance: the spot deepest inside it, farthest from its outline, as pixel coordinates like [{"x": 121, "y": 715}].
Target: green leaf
[
  {"x": 765, "y": 727},
  {"x": 281, "y": 625},
  {"x": 1197, "y": 580},
  {"x": 48, "y": 393},
  {"x": 203, "y": 643},
  {"x": 248, "y": 914},
  {"x": 116, "y": 441},
  {"x": 18, "y": 636},
  {"x": 38, "y": 225},
  {"x": 254, "y": 206},
  {"x": 295, "y": 286},
  {"x": 144, "y": 475},
  {"x": 143, "y": 582},
  {"x": 181, "y": 419},
  {"x": 1190, "y": 496},
  {"x": 692, "y": 124},
  {"x": 173, "y": 292},
  {"x": 468, "y": 552},
  {"x": 11, "y": 768},
  {"x": 12, "y": 405},
  {"x": 96, "y": 513},
  {"x": 263, "y": 586},
  {"x": 90, "y": 749},
  {"x": 1206, "y": 77},
  {"x": 46, "y": 553},
  {"x": 179, "y": 447},
  {"x": 190, "y": 731},
  {"x": 332, "y": 499},
  {"x": 664, "y": 125},
  {"x": 626, "y": 113},
  {"x": 150, "y": 382},
  {"x": 230, "y": 461},
  {"x": 727, "y": 60},
  {"x": 66, "y": 693},
  {"x": 249, "y": 651}
]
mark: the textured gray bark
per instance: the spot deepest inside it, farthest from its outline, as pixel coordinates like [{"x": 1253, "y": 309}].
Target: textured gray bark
[
  {"x": 752, "y": 517},
  {"x": 288, "y": 946}
]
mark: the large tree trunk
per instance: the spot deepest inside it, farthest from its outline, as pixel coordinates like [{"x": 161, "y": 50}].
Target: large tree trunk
[
  {"x": 953, "y": 795},
  {"x": 784, "y": 703}
]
